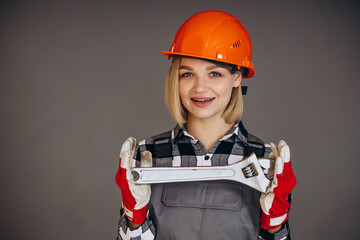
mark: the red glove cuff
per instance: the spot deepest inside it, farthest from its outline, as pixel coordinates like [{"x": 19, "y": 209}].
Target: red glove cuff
[
  {"x": 273, "y": 221},
  {"x": 136, "y": 216}
]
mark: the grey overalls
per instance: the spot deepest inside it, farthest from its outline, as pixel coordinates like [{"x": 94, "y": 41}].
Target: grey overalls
[{"x": 204, "y": 210}]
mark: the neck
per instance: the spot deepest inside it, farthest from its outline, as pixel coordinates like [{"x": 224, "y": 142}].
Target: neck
[{"x": 208, "y": 131}]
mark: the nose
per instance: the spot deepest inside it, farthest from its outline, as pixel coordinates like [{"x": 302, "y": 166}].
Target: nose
[{"x": 201, "y": 84}]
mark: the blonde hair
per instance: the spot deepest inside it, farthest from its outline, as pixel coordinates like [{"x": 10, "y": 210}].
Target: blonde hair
[{"x": 232, "y": 113}]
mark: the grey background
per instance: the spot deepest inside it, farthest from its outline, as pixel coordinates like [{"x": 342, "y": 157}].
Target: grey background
[{"x": 79, "y": 77}]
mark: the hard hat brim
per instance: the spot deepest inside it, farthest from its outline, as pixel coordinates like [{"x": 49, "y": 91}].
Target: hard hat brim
[{"x": 248, "y": 65}]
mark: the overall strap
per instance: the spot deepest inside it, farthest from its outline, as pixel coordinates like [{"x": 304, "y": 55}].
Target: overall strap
[
  {"x": 162, "y": 156},
  {"x": 254, "y": 144},
  {"x": 162, "y": 150}
]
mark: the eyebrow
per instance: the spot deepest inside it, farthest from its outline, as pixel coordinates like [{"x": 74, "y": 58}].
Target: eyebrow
[
  {"x": 212, "y": 67},
  {"x": 207, "y": 68},
  {"x": 185, "y": 67}
]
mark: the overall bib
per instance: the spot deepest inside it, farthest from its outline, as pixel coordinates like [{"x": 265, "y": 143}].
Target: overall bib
[{"x": 204, "y": 210}]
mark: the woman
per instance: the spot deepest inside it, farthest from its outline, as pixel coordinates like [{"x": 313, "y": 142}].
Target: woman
[{"x": 211, "y": 55}]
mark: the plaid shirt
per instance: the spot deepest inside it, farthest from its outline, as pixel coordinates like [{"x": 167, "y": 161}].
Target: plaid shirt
[{"x": 188, "y": 151}]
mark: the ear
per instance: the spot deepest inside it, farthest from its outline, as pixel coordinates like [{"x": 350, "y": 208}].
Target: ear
[{"x": 237, "y": 79}]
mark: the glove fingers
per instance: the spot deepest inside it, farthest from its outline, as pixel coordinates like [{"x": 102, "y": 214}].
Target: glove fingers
[
  {"x": 284, "y": 151},
  {"x": 274, "y": 149},
  {"x": 281, "y": 144},
  {"x": 127, "y": 152},
  {"x": 142, "y": 192},
  {"x": 266, "y": 201},
  {"x": 146, "y": 159},
  {"x": 279, "y": 165}
]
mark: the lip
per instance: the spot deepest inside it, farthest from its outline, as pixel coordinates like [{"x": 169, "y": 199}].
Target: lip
[{"x": 202, "y": 101}]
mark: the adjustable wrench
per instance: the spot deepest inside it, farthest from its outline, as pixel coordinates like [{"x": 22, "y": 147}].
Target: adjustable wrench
[{"x": 247, "y": 171}]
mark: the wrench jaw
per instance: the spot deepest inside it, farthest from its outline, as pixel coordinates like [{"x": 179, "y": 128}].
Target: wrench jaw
[
  {"x": 254, "y": 175},
  {"x": 267, "y": 165}
]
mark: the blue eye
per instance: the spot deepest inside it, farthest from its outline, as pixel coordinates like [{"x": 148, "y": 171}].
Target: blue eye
[
  {"x": 215, "y": 74},
  {"x": 186, "y": 74}
]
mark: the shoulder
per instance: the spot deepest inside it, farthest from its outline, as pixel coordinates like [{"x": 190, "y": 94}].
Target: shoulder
[
  {"x": 148, "y": 144},
  {"x": 254, "y": 143}
]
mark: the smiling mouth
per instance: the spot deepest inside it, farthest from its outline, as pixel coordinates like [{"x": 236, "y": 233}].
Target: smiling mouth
[{"x": 202, "y": 99}]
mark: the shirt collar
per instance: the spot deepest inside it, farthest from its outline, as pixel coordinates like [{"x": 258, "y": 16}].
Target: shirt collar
[{"x": 178, "y": 132}]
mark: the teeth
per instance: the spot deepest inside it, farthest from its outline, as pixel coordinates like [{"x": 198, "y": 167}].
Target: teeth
[{"x": 203, "y": 100}]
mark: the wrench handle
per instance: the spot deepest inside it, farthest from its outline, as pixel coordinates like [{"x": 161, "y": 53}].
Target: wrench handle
[{"x": 181, "y": 174}]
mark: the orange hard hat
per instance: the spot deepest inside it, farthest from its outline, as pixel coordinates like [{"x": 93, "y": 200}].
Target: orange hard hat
[{"x": 214, "y": 35}]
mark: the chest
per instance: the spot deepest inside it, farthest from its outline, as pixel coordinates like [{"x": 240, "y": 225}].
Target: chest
[{"x": 193, "y": 153}]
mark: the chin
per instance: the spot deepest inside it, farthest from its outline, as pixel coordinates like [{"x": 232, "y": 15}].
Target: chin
[{"x": 204, "y": 116}]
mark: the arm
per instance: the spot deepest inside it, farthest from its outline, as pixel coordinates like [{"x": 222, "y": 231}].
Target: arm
[
  {"x": 275, "y": 203},
  {"x": 134, "y": 221},
  {"x": 146, "y": 230},
  {"x": 283, "y": 233}
]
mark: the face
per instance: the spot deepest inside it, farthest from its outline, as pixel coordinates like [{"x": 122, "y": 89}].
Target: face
[{"x": 205, "y": 88}]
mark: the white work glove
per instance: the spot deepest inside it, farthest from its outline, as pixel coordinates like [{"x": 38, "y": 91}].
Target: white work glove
[
  {"x": 274, "y": 203},
  {"x": 135, "y": 197}
]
